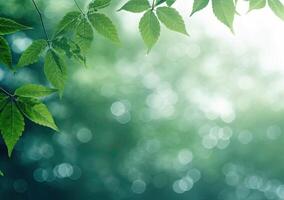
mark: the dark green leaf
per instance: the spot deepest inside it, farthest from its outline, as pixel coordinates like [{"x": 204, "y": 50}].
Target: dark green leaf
[
  {"x": 136, "y": 6},
  {"x": 170, "y": 2},
  {"x": 11, "y": 125},
  {"x": 5, "y": 53},
  {"x": 32, "y": 53},
  {"x": 55, "y": 70},
  {"x": 8, "y": 26},
  {"x": 171, "y": 19},
  {"x": 104, "y": 26}
]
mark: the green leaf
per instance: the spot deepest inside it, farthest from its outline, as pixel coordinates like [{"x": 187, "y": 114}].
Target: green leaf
[
  {"x": 149, "y": 27},
  {"x": 136, "y": 6},
  {"x": 98, "y": 4},
  {"x": 158, "y": 2},
  {"x": 84, "y": 35},
  {"x": 11, "y": 125},
  {"x": 1, "y": 173},
  {"x": 37, "y": 113},
  {"x": 32, "y": 54},
  {"x": 170, "y": 2},
  {"x": 277, "y": 7},
  {"x": 8, "y": 26},
  {"x": 55, "y": 70},
  {"x": 70, "y": 48},
  {"x": 68, "y": 22},
  {"x": 256, "y": 4},
  {"x": 104, "y": 26},
  {"x": 224, "y": 10},
  {"x": 171, "y": 19},
  {"x": 5, "y": 53},
  {"x": 199, "y": 5},
  {"x": 3, "y": 101},
  {"x": 34, "y": 91}
]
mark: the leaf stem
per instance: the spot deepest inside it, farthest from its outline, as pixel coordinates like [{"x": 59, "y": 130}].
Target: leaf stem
[
  {"x": 5, "y": 92},
  {"x": 78, "y": 6},
  {"x": 42, "y": 23},
  {"x": 153, "y": 4}
]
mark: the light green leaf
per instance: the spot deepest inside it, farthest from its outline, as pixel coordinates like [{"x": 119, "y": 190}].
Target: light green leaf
[
  {"x": 55, "y": 70},
  {"x": 34, "y": 91},
  {"x": 104, "y": 26},
  {"x": 5, "y": 53},
  {"x": 68, "y": 22},
  {"x": 37, "y": 113},
  {"x": 8, "y": 26},
  {"x": 171, "y": 19},
  {"x": 256, "y": 4},
  {"x": 11, "y": 125},
  {"x": 277, "y": 7},
  {"x": 199, "y": 5},
  {"x": 136, "y": 6},
  {"x": 225, "y": 11},
  {"x": 32, "y": 54},
  {"x": 84, "y": 35},
  {"x": 1, "y": 173},
  {"x": 149, "y": 27},
  {"x": 170, "y": 2},
  {"x": 98, "y": 4}
]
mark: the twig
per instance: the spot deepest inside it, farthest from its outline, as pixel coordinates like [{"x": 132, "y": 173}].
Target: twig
[
  {"x": 42, "y": 24},
  {"x": 78, "y": 6}
]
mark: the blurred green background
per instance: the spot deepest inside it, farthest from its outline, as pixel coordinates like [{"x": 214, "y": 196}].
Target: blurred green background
[{"x": 200, "y": 117}]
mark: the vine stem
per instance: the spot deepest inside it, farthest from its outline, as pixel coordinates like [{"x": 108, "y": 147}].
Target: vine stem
[
  {"x": 78, "y": 6},
  {"x": 42, "y": 23}
]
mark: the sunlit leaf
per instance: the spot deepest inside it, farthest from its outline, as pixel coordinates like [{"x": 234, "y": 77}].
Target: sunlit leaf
[
  {"x": 68, "y": 22},
  {"x": 256, "y": 4},
  {"x": 104, "y": 26},
  {"x": 37, "y": 113},
  {"x": 277, "y": 7},
  {"x": 136, "y": 6},
  {"x": 199, "y": 5},
  {"x": 224, "y": 10},
  {"x": 171, "y": 19},
  {"x": 149, "y": 27},
  {"x": 34, "y": 91}
]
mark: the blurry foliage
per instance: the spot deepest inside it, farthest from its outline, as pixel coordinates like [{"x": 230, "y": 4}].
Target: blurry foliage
[{"x": 172, "y": 125}]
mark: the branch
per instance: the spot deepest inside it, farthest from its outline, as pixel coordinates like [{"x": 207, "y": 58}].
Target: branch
[{"x": 42, "y": 24}]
